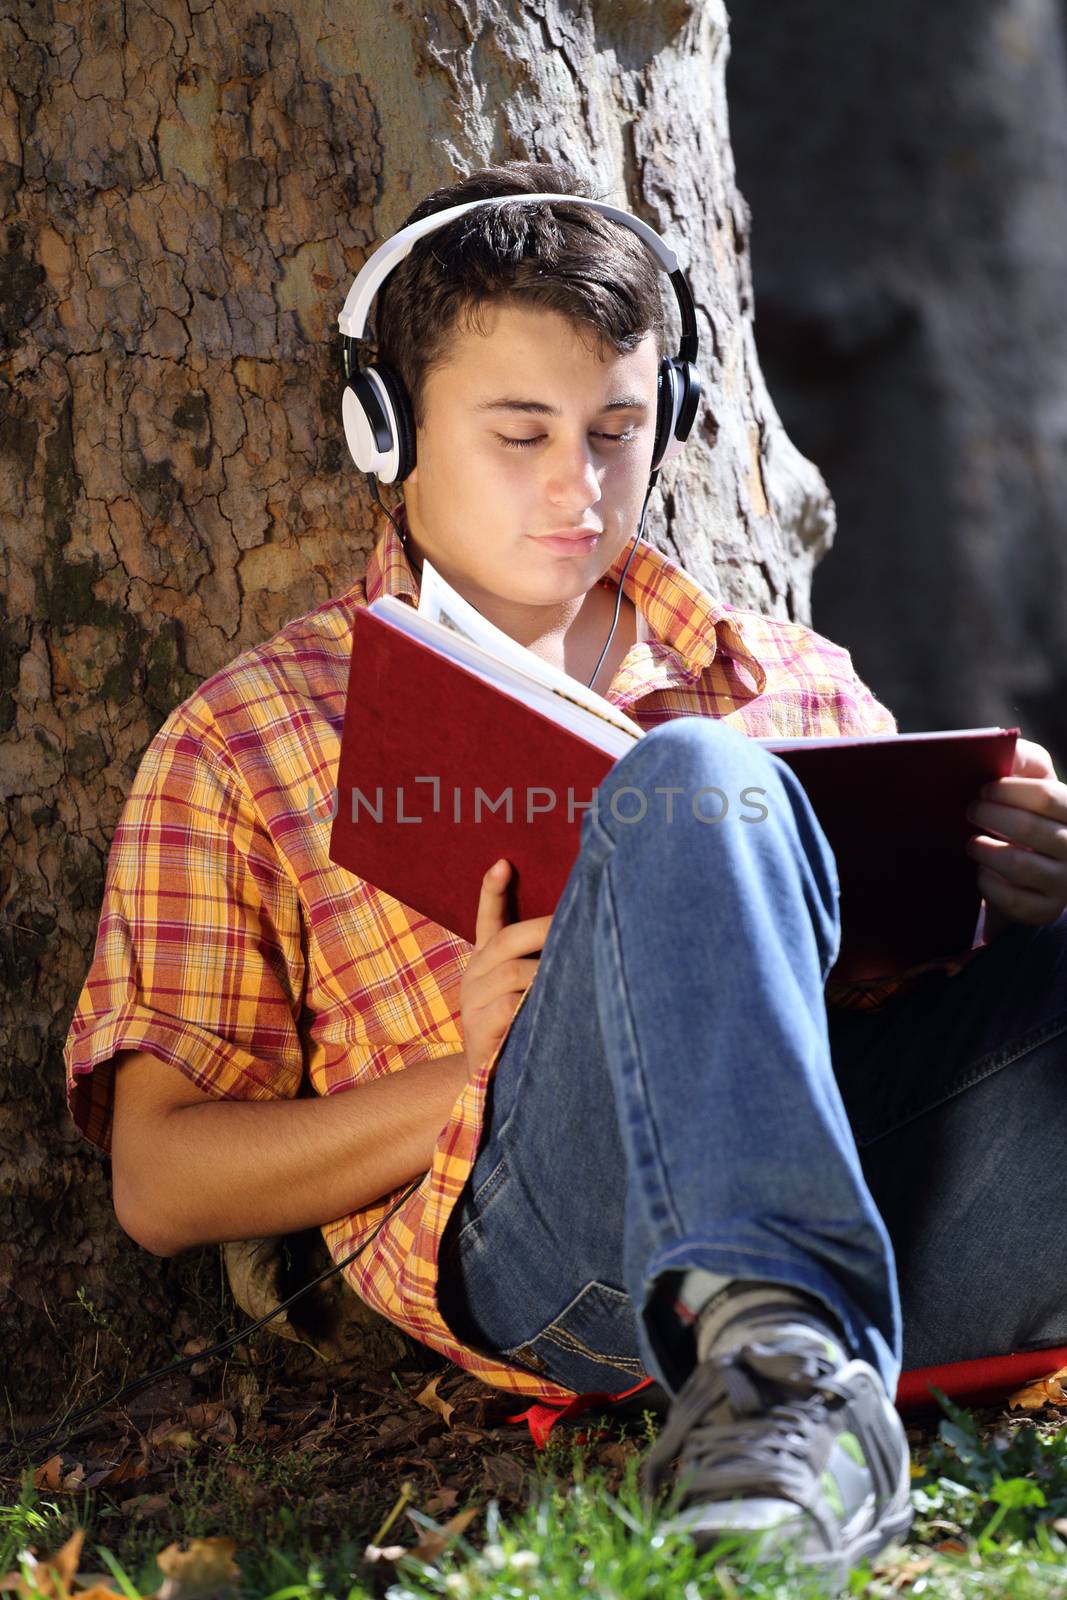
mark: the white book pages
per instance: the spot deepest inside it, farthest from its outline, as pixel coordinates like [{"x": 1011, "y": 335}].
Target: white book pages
[
  {"x": 600, "y": 722},
  {"x": 449, "y": 624},
  {"x": 440, "y": 603}
]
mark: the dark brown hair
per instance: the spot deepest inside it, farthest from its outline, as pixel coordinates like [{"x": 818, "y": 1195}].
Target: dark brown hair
[{"x": 553, "y": 256}]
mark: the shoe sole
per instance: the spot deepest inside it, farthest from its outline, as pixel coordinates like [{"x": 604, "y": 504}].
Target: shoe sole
[
  {"x": 837, "y": 1567},
  {"x": 835, "y": 1564}
]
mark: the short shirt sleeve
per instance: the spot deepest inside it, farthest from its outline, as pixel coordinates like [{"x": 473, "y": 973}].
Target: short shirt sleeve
[
  {"x": 199, "y": 956},
  {"x": 871, "y": 715}
]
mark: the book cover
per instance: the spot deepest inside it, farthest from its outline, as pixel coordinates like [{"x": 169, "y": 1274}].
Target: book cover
[{"x": 442, "y": 772}]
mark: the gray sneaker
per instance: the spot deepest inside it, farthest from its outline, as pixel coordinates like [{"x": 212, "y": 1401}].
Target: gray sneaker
[{"x": 782, "y": 1437}]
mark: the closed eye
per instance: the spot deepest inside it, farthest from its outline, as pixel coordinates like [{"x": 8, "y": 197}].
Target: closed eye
[{"x": 525, "y": 444}]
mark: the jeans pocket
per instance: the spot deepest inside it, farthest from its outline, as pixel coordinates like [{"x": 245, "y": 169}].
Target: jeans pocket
[{"x": 590, "y": 1345}]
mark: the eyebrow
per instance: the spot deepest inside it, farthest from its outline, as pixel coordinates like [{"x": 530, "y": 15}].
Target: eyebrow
[{"x": 540, "y": 409}]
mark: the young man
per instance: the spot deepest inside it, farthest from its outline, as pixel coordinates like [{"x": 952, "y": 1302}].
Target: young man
[{"x": 656, "y": 1137}]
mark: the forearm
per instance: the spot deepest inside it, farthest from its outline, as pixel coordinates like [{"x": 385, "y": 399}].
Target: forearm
[{"x": 229, "y": 1169}]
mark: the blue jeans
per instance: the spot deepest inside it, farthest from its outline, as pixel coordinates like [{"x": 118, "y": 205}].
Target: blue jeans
[{"x": 674, "y": 1093}]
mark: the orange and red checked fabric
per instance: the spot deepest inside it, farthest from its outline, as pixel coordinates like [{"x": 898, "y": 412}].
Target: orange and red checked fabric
[{"x": 231, "y": 947}]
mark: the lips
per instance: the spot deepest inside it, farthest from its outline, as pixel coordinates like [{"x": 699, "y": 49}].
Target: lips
[
  {"x": 579, "y": 535},
  {"x": 568, "y": 545}
]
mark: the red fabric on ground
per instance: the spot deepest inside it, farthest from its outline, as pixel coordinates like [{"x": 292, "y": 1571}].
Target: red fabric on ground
[{"x": 965, "y": 1382}]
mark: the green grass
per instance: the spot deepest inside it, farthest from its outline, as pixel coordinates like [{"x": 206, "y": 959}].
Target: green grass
[{"x": 994, "y": 1497}]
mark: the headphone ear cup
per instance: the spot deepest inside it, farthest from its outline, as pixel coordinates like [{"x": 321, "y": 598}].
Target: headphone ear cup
[
  {"x": 678, "y": 398},
  {"x": 367, "y": 417},
  {"x": 666, "y": 410},
  {"x": 403, "y": 422}
]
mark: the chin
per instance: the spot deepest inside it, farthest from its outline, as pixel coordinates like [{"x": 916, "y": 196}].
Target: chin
[{"x": 560, "y": 586}]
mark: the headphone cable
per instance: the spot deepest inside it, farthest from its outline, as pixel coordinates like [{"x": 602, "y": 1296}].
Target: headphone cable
[
  {"x": 622, "y": 575},
  {"x": 130, "y": 1389},
  {"x": 372, "y": 482},
  {"x": 53, "y": 1433}
]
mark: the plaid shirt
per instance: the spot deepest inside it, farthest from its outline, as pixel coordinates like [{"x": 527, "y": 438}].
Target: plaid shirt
[{"x": 232, "y": 947}]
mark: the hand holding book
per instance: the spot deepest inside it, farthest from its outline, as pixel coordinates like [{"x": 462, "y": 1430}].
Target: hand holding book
[
  {"x": 460, "y": 747},
  {"x": 1023, "y": 870},
  {"x": 500, "y": 970}
]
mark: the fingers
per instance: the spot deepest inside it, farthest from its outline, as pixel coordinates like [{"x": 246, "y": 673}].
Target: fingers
[
  {"x": 512, "y": 939},
  {"x": 1017, "y": 901},
  {"x": 523, "y": 938},
  {"x": 509, "y": 978},
  {"x": 492, "y": 903}
]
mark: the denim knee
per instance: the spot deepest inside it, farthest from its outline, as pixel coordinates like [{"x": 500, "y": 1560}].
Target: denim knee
[
  {"x": 690, "y": 768},
  {"x": 693, "y": 773}
]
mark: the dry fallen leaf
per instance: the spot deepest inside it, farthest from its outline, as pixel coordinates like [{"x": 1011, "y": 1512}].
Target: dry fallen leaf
[
  {"x": 63, "y": 1566},
  {"x": 901, "y": 1573},
  {"x": 49, "y": 1474},
  {"x": 433, "y": 1541},
  {"x": 146, "y": 1505},
  {"x": 206, "y": 1569},
  {"x": 125, "y": 1471},
  {"x": 171, "y": 1438},
  {"x": 441, "y": 1500},
  {"x": 502, "y": 1474},
  {"x": 429, "y": 1398},
  {"x": 212, "y": 1420},
  {"x": 53, "y": 1577},
  {"x": 1049, "y": 1391}
]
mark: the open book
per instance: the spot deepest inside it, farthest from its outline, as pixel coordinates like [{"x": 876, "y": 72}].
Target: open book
[
  {"x": 460, "y": 746},
  {"x": 494, "y": 655}
]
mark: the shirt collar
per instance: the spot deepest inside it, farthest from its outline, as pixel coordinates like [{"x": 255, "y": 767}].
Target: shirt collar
[
  {"x": 389, "y": 571},
  {"x": 680, "y": 613}
]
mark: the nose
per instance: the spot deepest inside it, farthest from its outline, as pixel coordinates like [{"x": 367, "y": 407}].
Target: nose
[{"x": 573, "y": 484}]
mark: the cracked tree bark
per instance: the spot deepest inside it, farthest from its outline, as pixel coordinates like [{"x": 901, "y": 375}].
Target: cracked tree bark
[{"x": 188, "y": 189}]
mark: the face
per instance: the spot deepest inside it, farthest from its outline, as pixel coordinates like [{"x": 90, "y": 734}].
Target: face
[{"x": 530, "y": 427}]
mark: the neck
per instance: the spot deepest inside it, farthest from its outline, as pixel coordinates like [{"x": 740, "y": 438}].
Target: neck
[{"x": 569, "y": 634}]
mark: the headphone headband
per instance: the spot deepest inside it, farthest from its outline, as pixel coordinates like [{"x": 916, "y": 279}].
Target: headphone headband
[
  {"x": 378, "y": 425},
  {"x": 352, "y": 319}
]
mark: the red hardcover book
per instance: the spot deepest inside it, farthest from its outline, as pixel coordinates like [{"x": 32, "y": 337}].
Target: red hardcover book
[{"x": 441, "y": 773}]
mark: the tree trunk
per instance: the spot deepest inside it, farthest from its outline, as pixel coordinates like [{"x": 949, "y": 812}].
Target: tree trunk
[
  {"x": 906, "y": 167},
  {"x": 188, "y": 192}
]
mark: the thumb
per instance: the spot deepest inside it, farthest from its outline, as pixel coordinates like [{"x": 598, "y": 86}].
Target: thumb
[
  {"x": 1031, "y": 761},
  {"x": 492, "y": 903}
]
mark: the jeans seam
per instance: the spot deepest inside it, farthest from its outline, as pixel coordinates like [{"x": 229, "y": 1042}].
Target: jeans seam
[
  {"x": 477, "y": 1200},
  {"x": 664, "y": 1258},
  {"x": 569, "y": 1343},
  {"x": 986, "y": 1067},
  {"x": 647, "y": 1122},
  {"x": 633, "y": 1366},
  {"x": 489, "y": 1185}
]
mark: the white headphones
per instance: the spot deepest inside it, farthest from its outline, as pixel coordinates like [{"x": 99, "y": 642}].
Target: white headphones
[{"x": 376, "y": 409}]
